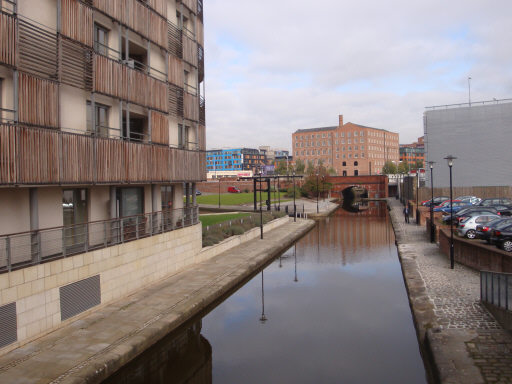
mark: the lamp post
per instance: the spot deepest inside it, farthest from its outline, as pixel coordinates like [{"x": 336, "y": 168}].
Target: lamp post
[
  {"x": 261, "y": 211},
  {"x": 219, "y": 192},
  {"x": 294, "y": 207},
  {"x": 450, "y": 159},
  {"x": 317, "y": 192},
  {"x": 418, "y": 220},
  {"x": 432, "y": 231}
]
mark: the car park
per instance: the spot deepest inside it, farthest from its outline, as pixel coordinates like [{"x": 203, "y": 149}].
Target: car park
[
  {"x": 503, "y": 238},
  {"x": 484, "y": 231},
  {"x": 437, "y": 200},
  {"x": 495, "y": 201},
  {"x": 467, "y": 227}
]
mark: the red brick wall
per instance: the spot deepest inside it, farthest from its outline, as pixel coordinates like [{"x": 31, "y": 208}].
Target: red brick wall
[
  {"x": 475, "y": 254},
  {"x": 376, "y": 184}
]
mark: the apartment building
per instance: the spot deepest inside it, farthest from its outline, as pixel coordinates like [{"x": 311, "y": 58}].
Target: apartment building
[
  {"x": 102, "y": 134},
  {"x": 350, "y": 149},
  {"x": 234, "y": 162},
  {"x": 414, "y": 152}
]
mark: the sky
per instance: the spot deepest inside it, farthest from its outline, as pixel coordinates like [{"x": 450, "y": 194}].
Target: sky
[{"x": 275, "y": 66}]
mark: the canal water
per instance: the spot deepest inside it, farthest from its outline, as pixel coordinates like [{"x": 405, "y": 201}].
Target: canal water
[{"x": 332, "y": 309}]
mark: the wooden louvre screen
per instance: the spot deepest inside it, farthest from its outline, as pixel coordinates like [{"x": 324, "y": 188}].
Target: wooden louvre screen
[
  {"x": 175, "y": 101},
  {"x": 159, "y": 6},
  {"x": 110, "y": 7},
  {"x": 76, "y": 65},
  {"x": 190, "y": 51},
  {"x": 8, "y": 154},
  {"x": 38, "y": 101},
  {"x": 175, "y": 73},
  {"x": 77, "y": 21},
  {"x": 159, "y": 128},
  {"x": 8, "y": 39},
  {"x": 110, "y": 160},
  {"x": 201, "y": 131},
  {"x": 191, "y": 107},
  {"x": 200, "y": 33},
  {"x": 175, "y": 40},
  {"x": 77, "y": 158},
  {"x": 120, "y": 81}
]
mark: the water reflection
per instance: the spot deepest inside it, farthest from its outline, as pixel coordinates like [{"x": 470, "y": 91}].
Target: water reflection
[
  {"x": 182, "y": 357},
  {"x": 345, "y": 320}
]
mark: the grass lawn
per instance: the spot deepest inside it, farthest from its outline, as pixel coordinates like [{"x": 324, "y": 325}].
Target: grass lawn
[
  {"x": 236, "y": 198},
  {"x": 214, "y": 219}
]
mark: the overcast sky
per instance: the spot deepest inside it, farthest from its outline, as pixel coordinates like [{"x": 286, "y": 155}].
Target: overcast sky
[{"x": 275, "y": 66}]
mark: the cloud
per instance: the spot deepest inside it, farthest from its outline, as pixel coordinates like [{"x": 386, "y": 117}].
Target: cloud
[{"x": 273, "y": 67}]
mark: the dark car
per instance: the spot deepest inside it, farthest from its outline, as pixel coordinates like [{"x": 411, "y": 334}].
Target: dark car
[
  {"x": 469, "y": 212},
  {"x": 503, "y": 210},
  {"x": 456, "y": 206},
  {"x": 437, "y": 200},
  {"x": 503, "y": 238},
  {"x": 495, "y": 201},
  {"x": 484, "y": 231}
]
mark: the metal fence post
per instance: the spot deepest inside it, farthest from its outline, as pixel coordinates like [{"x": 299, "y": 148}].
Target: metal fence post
[
  {"x": 86, "y": 234},
  {"x": 39, "y": 250},
  {"x": 121, "y": 229},
  {"x": 64, "y": 241},
  {"x": 105, "y": 234},
  {"x": 136, "y": 227}
]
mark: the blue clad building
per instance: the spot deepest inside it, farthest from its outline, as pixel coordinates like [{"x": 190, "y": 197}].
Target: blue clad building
[{"x": 238, "y": 162}]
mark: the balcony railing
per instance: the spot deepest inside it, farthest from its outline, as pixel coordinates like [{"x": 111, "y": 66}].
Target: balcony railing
[
  {"x": 24, "y": 249},
  {"x": 496, "y": 289}
]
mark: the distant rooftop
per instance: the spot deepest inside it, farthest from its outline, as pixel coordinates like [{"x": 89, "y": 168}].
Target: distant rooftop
[
  {"x": 333, "y": 128},
  {"x": 472, "y": 104}
]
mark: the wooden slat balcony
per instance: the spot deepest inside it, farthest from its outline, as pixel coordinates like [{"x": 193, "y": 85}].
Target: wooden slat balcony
[
  {"x": 30, "y": 156},
  {"x": 191, "y": 107},
  {"x": 8, "y": 39},
  {"x": 118, "y": 80}
]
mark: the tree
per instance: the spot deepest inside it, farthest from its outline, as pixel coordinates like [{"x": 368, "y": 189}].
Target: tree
[
  {"x": 403, "y": 167},
  {"x": 389, "y": 168},
  {"x": 310, "y": 168},
  {"x": 418, "y": 164},
  {"x": 300, "y": 167},
  {"x": 314, "y": 185},
  {"x": 332, "y": 171},
  {"x": 281, "y": 168}
]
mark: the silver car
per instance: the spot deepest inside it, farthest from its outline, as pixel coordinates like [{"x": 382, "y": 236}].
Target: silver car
[
  {"x": 467, "y": 227},
  {"x": 470, "y": 199}
]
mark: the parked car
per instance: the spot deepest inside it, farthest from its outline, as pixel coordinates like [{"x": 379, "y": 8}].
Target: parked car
[
  {"x": 437, "y": 200},
  {"x": 198, "y": 192},
  {"x": 234, "y": 189},
  {"x": 469, "y": 199},
  {"x": 484, "y": 231},
  {"x": 495, "y": 201},
  {"x": 503, "y": 238},
  {"x": 444, "y": 204},
  {"x": 468, "y": 212},
  {"x": 456, "y": 206},
  {"x": 467, "y": 227},
  {"x": 503, "y": 210}
]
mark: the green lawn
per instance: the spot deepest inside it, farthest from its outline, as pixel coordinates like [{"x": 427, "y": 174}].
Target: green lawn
[
  {"x": 214, "y": 219},
  {"x": 236, "y": 198}
]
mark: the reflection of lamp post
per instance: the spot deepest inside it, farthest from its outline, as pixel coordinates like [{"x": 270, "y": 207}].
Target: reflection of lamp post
[
  {"x": 450, "y": 159},
  {"x": 295, "y": 255},
  {"x": 317, "y": 192},
  {"x": 263, "y": 318},
  {"x": 432, "y": 231}
]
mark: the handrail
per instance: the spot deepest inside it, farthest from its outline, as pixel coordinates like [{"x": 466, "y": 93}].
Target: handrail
[
  {"x": 19, "y": 250},
  {"x": 495, "y": 287},
  {"x": 447, "y": 106}
]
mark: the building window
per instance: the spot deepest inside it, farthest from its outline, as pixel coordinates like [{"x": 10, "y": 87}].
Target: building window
[
  {"x": 101, "y": 39},
  {"x": 344, "y": 163},
  {"x": 74, "y": 211},
  {"x": 348, "y": 134},
  {"x": 361, "y": 133},
  {"x": 355, "y": 133},
  {"x": 349, "y": 141},
  {"x": 362, "y": 154},
  {"x": 100, "y": 125},
  {"x": 356, "y": 172},
  {"x": 356, "y": 163}
]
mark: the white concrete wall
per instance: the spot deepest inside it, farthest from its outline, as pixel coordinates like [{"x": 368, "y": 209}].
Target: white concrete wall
[
  {"x": 99, "y": 203},
  {"x": 7, "y": 96},
  {"x": 173, "y": 131},
  {"x": 157, "y": 60},
  {"x": 14, "y": 210},
  {"x": 50, "y": 207},
  {"x": 42, "y": 11},
  {"x": 123, "y": 269},
  {"x": 171, "y": 11},
  {"x": 73, "y": 109}
]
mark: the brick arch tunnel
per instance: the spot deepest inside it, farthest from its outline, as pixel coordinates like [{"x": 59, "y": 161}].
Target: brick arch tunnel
[{"x": 354, "y": 192}]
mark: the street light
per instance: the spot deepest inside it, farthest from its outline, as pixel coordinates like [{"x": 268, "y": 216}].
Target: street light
[
  {"x": 450, "y": 159},
  {"x": 432, "y": 231},
  {"x": 219, "y": 192},
  {"x": 317, "y": 192},
  {"x": 418, "y": 220},
  {"x": 294, "y": 207},
  {"x": 261, "y": 211}
]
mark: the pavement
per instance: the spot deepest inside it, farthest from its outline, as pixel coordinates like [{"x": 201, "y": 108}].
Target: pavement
[
  {"x": 464, "y": 342},
  {"x": 309, "y": 206},
  {"x": 94, "y": 347}
]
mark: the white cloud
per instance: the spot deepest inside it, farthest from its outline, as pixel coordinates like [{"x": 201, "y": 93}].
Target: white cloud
[{"x": 276, "y": 66}]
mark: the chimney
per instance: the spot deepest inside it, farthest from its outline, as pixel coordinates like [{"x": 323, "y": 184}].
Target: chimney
[{"x": 341, "y": 121}]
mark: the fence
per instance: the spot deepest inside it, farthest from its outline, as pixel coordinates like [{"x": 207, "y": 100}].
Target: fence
[
  {"x": 496, "y": 289},
  {"x": 34, "y": 247}
]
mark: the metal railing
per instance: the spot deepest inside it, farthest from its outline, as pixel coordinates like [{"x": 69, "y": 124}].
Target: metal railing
[
  {"x": 486, "y": 102},
  {"x": 7, "y": 115},
  {"x": 24, "y": 249},
  {"x": 496, "y": 289}
]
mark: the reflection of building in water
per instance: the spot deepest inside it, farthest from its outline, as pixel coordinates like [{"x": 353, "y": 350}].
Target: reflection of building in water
[
  {"x": 362, "y": 208},
  {"x": 183, "y": 357},
  {"x": 344, "y": 239}
]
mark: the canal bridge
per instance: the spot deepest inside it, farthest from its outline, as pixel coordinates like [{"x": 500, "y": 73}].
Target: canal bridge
[{"x": 375, "y": 186}]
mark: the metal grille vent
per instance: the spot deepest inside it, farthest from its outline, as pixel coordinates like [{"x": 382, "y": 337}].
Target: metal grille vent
[
  {"x": 80, "y": 296},
  {"x": 8, "y": 324}
]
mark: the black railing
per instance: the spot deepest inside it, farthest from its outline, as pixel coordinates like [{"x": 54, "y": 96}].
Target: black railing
[
  {"x": 496, "y": 289},
  {"x": 24, "y": 249}
]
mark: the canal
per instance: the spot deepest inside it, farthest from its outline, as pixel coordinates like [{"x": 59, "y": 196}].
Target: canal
[{"x": 331, "y": 309}]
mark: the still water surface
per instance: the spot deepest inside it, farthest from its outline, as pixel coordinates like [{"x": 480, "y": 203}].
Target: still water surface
[{"x": 332, "y": 309}]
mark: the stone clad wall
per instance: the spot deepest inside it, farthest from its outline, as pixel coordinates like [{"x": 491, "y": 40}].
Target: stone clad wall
[{"x": 122, "y": 268}]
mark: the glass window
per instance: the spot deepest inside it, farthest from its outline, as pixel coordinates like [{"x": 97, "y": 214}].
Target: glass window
[
  {"x": 131, "y": 201},
  {"x": 101, "y": 39}
]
